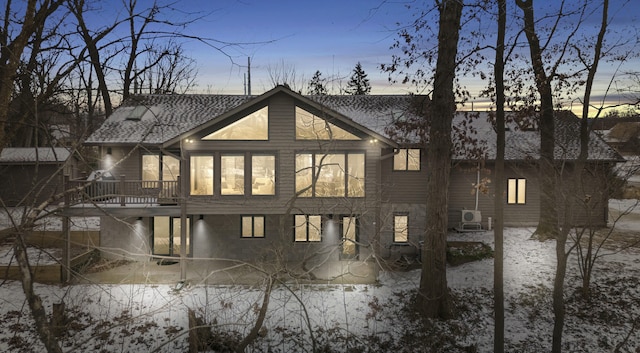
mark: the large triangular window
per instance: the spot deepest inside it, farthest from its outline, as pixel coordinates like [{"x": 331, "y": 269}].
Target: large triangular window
[
  {"x": 311, "y": 127},
  {"x": 254, "y": 126}
]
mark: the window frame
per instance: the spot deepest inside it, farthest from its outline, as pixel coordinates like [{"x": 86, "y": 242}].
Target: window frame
[
  {"x": 244, "y": 172},
  {"x": 517, "y": 191},
  {"x": 248, "y": 172},
  {"x": 317, "y": 132},
  {"x": 213, "y": 175},
  {"x": 310, "y": 191},
  {"x": 407, "y": 157},
  {"x": 251, "y": 172},
  {"x": 307, "y": 225},
  {"x": 253, "y": 227},
  {"x": 160, "y": 169},
  {"x": 396, "y": 238},
  {"x": 234, "y": 124},
  {"x": 352, "y": 242}
]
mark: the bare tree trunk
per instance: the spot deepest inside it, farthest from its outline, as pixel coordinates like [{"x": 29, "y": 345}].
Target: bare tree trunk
[
  {"x": 498, "y": 258},
  {"x": 262, "y": 314},
  {"x": 548, "y": 227},
  {"x": 35, "y": 302},
  {"x": 584, "y": 144},
  {"x": 433, "y": 295}
]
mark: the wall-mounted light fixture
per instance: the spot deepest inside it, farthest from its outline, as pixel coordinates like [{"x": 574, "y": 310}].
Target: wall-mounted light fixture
[
  {"x": 139, "y": 218},
  {"x": 201, "y": 217},
  {"x": 109, "y": 151}
]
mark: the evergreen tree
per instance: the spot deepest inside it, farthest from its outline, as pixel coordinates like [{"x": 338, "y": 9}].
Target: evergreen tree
[
  {"x": 317, "y": 85},
  {"x": 359, "y": 83}
]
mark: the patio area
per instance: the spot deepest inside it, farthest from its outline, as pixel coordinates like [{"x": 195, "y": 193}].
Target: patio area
[{"x": 221, "y": 272}]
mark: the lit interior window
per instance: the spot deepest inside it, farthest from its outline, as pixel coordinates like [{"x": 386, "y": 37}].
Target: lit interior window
[
  {"x": 253, "y": 226},
  {"x": 407, "y": 159},
  {"x": 308, "y": 228},
  {"x": 400, "y": 228},
  {"x": 311, "y": 127},
  {"x": 349, "y": 236},
  {"x": 333, "y": 173},
  {"x": 232, "y": 175},
  {"x": 263, "y": 175},
  {"x": 516, "y": 192},
  {"x": 202, "y": 175},
  {"x": 254, "y": 126}
]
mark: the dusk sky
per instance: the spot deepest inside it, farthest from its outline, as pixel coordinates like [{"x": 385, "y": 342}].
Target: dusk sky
[
  {"x": 333, "y": 35},
  {"x": 305, "y": 36}
]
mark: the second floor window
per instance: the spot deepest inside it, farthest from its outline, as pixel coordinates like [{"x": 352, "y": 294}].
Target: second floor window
[
  {"x": 232, "y": 175},
  {"x": 407, "y": 159},
  {"x": 330, "y": 175},
  {"x": 201, "y": 175},
  {"x": 238, "y": 174},
  {"x": 156, "y": 167}
]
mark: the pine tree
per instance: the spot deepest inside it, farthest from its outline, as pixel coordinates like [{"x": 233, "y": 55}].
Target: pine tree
[
  {"x": 359, "y": 83},
  {"x": 317, "y": 85}
]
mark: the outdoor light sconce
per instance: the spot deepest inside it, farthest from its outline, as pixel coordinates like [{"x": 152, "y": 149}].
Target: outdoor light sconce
[
  {"x": 201, "y": 217},
  {"x": 139, "y": 218},
  {"x": 108, "y": 151}
]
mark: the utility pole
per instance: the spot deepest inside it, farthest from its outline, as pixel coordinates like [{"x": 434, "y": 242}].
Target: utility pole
[{"x": 248, "y": 76}]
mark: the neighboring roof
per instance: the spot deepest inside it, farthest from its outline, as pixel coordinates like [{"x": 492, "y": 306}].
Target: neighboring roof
[
  {"x": 622, "y": 132},
  {"x": 170, "y": 117},
  {"x": 13, "y": 155},
  {"x": 524, "y": 144}
]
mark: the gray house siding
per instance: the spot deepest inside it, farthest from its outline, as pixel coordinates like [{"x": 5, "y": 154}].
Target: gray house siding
[{"x": 594, "y": 189}]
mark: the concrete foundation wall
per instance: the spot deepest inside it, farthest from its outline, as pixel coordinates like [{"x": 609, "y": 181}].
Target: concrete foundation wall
[{"x": 125, "y": 239}]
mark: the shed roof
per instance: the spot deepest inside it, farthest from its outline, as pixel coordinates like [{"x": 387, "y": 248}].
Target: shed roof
[{"x": 11, "y": 155}]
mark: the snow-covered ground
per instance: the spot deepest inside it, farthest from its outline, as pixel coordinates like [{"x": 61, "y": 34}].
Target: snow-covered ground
[{"x": 372, "y": 318}]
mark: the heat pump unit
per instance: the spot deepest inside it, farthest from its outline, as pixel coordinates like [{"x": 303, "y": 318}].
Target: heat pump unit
[{"x": 471, "y": 216}]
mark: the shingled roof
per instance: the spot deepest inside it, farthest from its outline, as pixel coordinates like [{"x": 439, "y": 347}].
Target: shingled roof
[
  {"x": 30, "y": 155},
  {"x": 157, "y": 119}
]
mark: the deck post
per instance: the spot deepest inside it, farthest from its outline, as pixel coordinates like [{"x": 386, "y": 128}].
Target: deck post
[
  {"x": 122, "y": 190},
  {"x": 66, "y": 232},
  {"x": 183, "y": 230}
]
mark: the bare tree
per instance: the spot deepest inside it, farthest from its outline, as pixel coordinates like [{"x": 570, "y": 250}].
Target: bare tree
[
  {"x": 169, "y": 71},
  {"x": 286, "y": 75},
  {"x": 13, "y": 48},
  {"x": 498, "y": 271},
  {"x": 433, "y": 295}
]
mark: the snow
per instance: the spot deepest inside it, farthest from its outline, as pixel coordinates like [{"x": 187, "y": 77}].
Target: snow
[
  {"x": 153, "y": 318},
  {"x": 39, "y": 257},
  {"x": 11, "y": 216}
]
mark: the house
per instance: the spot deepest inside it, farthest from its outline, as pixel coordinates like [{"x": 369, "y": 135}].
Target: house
[
  {"x": 282, "y": 178},
  {"x": 33, "y": 174}
]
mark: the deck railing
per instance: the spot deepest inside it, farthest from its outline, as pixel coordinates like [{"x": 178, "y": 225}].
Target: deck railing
[{"x": 124, "y": 191}]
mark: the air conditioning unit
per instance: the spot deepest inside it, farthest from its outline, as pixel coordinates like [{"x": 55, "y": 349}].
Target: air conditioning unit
[{"x": 471, "y": 216}]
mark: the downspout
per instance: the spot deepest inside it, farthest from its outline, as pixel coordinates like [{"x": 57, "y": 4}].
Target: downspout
[
  {"x": 183, "y": 215},
  {"x": 477, "y": 185}
]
